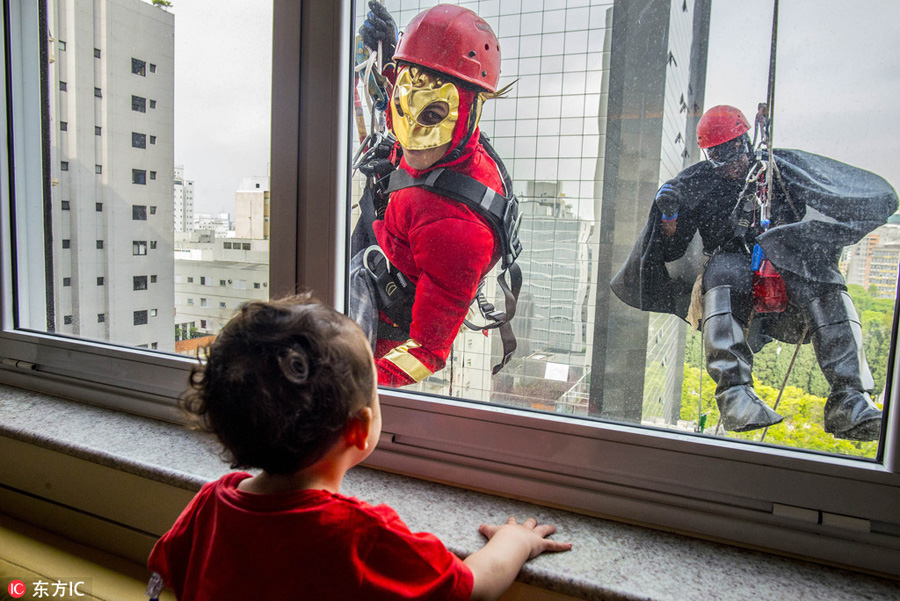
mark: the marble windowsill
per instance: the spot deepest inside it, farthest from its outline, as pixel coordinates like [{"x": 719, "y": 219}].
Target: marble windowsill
[{"x": 610, "y": 560}]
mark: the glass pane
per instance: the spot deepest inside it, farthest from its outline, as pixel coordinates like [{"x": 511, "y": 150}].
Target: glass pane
[
  {"x": 603, "y": 110},
  {"x": 129, "y": 227}
]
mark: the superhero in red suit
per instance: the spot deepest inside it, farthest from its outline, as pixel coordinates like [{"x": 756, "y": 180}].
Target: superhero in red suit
[{"x": 447, "y": 64}]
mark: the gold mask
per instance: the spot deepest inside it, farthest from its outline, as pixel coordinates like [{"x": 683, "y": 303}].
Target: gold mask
[{"x": 424, "y": 109}]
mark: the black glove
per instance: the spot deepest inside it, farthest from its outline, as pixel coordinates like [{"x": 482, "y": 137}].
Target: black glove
[
  {"x": 668, "y": 199},
  {"x": 379, "y": 26}
]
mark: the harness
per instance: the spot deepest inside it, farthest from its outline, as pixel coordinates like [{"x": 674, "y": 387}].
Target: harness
[{"x": 395, "y": 293}]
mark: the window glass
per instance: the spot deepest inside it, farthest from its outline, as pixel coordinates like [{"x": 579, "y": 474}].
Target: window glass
[
  {"x": 603, "y": 110},
  {"x": 187, "y": 102}
]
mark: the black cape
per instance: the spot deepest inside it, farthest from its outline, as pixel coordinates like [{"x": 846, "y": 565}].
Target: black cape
[{"x": 837, "y": 205}]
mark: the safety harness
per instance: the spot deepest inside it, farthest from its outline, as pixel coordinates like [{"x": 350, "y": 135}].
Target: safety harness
[{"x": 395, "y": 293}]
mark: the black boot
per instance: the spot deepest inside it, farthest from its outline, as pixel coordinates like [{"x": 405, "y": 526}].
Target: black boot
[
  {"x": 837, "y": 340},
  {"x": 729, "y": 362}
]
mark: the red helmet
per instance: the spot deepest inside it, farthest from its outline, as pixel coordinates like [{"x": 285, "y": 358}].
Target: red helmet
[
  {"x": 720, "y": 124},
  {"x": 453, "y": 40}
]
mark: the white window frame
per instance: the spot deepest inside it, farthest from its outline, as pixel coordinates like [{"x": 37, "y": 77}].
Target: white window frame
[{"x": 823, "y": 507}]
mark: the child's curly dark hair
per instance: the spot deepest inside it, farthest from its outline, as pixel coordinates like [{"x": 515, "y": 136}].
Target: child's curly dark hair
[{"x": 280, "y": 383}]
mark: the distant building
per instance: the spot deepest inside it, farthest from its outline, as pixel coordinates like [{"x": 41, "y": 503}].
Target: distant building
[
  {"x": 219, "y": 223},
  {"x": 872, "y": 262},
  {"x": 213, "y": 276},
  {"x": 251, "y": 208},
  {"x": 111, "y": 83},
  {"x": 184, "y": 202}
]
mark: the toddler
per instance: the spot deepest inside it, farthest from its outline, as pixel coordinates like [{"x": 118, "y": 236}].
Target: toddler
[{"x": 289, "y": 387}]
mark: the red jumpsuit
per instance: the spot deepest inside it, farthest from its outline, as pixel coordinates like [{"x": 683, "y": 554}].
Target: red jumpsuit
[{"x": 445, "y": 249}]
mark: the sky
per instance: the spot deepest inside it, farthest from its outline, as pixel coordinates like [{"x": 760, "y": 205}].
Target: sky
[
  {"x": 223, "y": 92},
  {"x": 837, "y": 85}
]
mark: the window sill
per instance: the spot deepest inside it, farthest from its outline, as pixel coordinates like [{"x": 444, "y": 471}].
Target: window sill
[{"x": 610, "y": 560}]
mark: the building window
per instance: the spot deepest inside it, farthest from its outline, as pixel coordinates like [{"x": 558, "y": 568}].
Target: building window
[
  {"x": 139, "y": 212},
  {"x": 139, "y": 176},
  {"x": 222, "y": 283},
  {"x": 203, "y": 322},
  {"x": 66, "y": 243},
  {"x": 65, "y": 205},
  {"x": 67, "y": 320},
  {"x": 153, "y": 175},
  {"x": 245, "y": 245},
  {"x": 63, "y": 126},
  {"x": 62, "y": 46},
  {"x": 190, "y": 302},
  {"x": 139, "y": 104},
  {"x": 154, "y": 345},
  {"x": 139, "y": 247},
  {"x": 64, "y": 165},
  {"x": 100, "y": 280},
  {"x": 190, "y": 280},
  {"x": 153, "y": 245},
  {"x": 140, "y": 318},
  {"x": 222, "y": 305},
  {"x": 153, "y": 210},
  {"x": 139, "y": 67},
  {"x": 67, "y": 281},
  {"x": 97, "y": 130},
  {"x": 98, "y": 207},
  {"x": 153, "y": 139},
  {"x": 101, "y": 317},
  {"x": 256, "y": 286},
  {"x": 63, "y": 86},
  {"x": 152, "y": 104},
  {"x": 152, "y": 312},
  {"x": 152, "y": 279},
  {"x": 96, "y": 53},
  {"x": 140, "y": 282},
  {"x": 203, "y": 302},
  {"x": 203, "y": 280},
  {"x": 98, "y": 93},
  {"x": 98, "y": 169},
  {"x": 138, "y": 140},
  {"x": 99, "y": 244},
  {"x": 226, "y": 245},
  {"x": 152, "y": 68}
]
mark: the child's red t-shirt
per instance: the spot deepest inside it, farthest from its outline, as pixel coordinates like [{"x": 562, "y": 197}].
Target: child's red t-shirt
[{"x": 307, "y": 544}]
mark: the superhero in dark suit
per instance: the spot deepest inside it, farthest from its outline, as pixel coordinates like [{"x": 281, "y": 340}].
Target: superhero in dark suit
[{"x": 817, "y": 207}]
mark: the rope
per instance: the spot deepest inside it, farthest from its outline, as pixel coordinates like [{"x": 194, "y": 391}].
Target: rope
[
  {"x": 786, "y": 376},
  {"x": 700, "y": 399}
]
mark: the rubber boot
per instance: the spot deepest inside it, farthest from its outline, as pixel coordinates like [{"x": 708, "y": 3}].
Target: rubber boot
[
  {"x": 837, "y": 339},
  {"x": 729, "y": 361}
]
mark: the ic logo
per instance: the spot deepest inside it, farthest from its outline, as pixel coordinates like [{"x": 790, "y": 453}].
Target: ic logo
[
  {"x": 16, "y": 589},
  {"x": 391, "y": 288}
]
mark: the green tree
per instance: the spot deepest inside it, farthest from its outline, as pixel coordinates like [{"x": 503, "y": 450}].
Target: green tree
[{"x": 803, "y": 413}]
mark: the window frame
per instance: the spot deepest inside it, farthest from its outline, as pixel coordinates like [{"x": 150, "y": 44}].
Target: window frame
[{"x": 789, "y": 501}]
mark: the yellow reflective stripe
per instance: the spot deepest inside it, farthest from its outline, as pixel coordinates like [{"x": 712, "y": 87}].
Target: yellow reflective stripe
[{"x": 411, "y": 366}]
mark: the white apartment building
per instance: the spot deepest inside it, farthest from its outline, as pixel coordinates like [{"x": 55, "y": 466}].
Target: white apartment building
[
  {"x": 213, "y": 276},
  {"x": 184, "y": 201},
  {"x": 251, "y": 208},
  {"x": 109, "y": 236}
]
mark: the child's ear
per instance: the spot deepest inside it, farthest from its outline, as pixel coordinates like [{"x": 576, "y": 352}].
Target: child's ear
[{"x": 358, "y": 429}]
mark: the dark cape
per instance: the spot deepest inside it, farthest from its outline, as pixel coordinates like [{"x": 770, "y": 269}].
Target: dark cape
[{"x": 837, "y": 206}]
